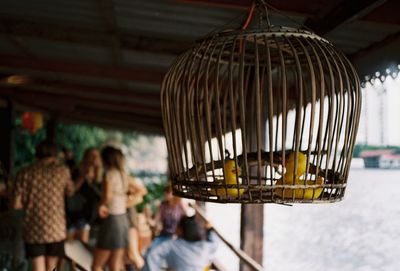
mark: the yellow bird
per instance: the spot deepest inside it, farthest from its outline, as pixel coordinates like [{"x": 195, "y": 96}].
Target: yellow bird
[
  {"x": 230, "y": 171},
  {"x": 301, "y": 165},
  {"x": 288, "y": 179}
]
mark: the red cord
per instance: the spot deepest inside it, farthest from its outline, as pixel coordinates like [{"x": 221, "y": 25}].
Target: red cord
[{"x": 249, "y": 16}]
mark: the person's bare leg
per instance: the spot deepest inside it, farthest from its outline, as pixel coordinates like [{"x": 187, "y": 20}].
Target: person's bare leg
[
  {"x": 133, "y": 249},
  {"x": 39, "y": 263},
  {"x": 100, "y": 258},
  {"x": 61, "y": 264},
  {"x": 51, "y": 262},
  {"x": 116, "y": 260}
]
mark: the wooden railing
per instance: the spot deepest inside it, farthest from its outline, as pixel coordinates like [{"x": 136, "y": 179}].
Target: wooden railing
[{"x": 240, "y": 253}]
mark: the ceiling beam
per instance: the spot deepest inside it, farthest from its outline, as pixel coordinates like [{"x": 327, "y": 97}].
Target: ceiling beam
[
  {"x": 82, "y": 68},
  {"x": 83, "y": 90},
  {"x": 72, "y": 102},
  {"x": 84, "y": 96},
  {"x": 90, "y": 119},
  {"x": 344, "y": 12},
  {"x": 15, "y": 41},
  {"x": 375, "y": 46},
  {"x": 116, "y": 120},
  {"x": 86, "y": 36}
]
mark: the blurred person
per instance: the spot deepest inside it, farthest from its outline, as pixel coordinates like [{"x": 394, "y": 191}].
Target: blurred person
[
  {"x": 4, "y": 189},
  {"x": 136, "y": 192},
  {"x": 193, "y": 250},
  {"x": 69, "y": 159},
  {"x": 145, "y": 221},
  {"x": 39, "y": 191},
  {"x": 168, "y": 215},
  {"x": 112, "y": 238},
  {"x": 82, "y": 206}
]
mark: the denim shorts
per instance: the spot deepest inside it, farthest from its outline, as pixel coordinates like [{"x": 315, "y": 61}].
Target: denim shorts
[{"x": 79, "y": 225}]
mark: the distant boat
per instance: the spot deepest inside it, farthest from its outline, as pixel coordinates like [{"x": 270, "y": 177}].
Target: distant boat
[{"x": 385, "y": 159}]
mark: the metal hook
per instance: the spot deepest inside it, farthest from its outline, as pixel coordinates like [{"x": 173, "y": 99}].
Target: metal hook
[{"x": 264, "y": 14}]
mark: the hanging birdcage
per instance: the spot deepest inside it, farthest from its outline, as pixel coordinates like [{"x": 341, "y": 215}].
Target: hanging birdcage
[{"x": 261, "y": 115}]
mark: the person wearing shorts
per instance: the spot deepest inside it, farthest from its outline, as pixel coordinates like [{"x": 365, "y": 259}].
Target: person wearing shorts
[
  {"x": 39, "y": 191},
  {"x": 112, "y": 239}
]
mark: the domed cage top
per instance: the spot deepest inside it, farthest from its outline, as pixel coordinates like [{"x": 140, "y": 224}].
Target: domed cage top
[{"x": 261, "y": 116}]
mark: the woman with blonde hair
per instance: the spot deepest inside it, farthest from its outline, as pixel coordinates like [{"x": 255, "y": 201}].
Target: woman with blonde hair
[
  {"x": 113, "y": 233},
  {"x": 82, "y": 206}
]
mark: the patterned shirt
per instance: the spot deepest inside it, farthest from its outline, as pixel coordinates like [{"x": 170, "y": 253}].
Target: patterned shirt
[{"x": 41, "y": 187}]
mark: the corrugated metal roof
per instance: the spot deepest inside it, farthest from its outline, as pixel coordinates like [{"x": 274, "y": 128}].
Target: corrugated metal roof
[
  {"x": 175, "y": 21},
  {"x": 7, "y": 46},
  {"x": 73, "y": 13},
  {"x": 359, "y": 34},
  {"x": 67, "y": 51}
]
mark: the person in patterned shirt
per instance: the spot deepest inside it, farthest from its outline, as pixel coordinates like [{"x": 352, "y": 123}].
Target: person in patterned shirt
[{"x": 40, "y": 190}]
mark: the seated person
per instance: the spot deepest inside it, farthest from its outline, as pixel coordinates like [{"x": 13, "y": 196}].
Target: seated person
[
  {"x": 193, "y": 250},
  {"x": 170, "y": 212}
]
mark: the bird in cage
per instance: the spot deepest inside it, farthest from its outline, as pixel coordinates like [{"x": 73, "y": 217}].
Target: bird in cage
[
  {"x": 290, "y": 164},
  {"x": 231, "y": 173},
  {"x": 298, "y": 176}
]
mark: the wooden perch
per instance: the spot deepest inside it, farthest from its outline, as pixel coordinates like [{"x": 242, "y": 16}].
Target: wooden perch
[{"x": 331, "y": 176}]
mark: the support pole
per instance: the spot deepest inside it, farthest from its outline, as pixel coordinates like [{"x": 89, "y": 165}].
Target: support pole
[
  {"x": 7, "y": 135},
  {"x": 252, "y": 215},
  {"x": 51, "y": 130}
]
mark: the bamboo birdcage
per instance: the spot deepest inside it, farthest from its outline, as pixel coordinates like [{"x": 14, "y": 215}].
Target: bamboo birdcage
[{"x": 259, "y": 116}]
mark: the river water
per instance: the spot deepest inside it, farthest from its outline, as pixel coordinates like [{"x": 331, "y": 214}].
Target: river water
[{"x": 360, "y": 233}]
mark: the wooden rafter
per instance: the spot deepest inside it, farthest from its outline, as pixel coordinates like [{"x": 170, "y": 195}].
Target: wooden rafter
[
  {"x": 88, "y": 115},
  {"x": 375, "y": 46},
  {"x": 342, "y": 13},
  {"x": 15, "y": 41},
  {"x": 99, "y": 92},
  {"x": 90, "y": 118},
  {"x": 82, "y": 68},
  {"x": 71, "y": 102}
]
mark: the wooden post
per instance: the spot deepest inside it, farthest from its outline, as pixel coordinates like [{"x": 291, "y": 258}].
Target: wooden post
[
  {"x": 7, "y": 138},
  {"x": 252, "y": 215},
  {"x": 51, "y": 130},
  {"x": 252, "y": 233}
]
